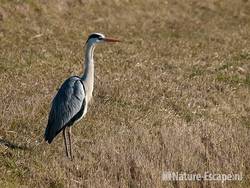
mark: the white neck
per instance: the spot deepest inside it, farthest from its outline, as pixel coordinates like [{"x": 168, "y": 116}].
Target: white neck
[{"x": 88, "y": 76}]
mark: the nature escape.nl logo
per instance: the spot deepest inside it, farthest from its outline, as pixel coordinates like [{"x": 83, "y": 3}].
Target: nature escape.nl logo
[{"x": 207, "y": 176}]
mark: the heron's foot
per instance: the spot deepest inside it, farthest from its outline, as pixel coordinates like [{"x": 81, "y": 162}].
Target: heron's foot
[
  {"x": 67, "y": 155},
  {"x": 72, "y": 157}
]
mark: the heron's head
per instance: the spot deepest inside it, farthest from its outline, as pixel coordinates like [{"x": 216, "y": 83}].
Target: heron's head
[{"x": 99, "y": 38}]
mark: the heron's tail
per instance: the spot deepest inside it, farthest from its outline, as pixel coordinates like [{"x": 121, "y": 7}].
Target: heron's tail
[{"x": 48, "y": 136}]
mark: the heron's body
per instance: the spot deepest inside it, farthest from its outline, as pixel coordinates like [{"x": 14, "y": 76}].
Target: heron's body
[
  {"x": 68, "y": 107},
  {"x": 71, "y": 101}
]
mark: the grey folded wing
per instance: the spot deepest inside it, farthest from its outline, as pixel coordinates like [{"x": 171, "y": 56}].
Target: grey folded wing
[{"x": 67, "y": 106}]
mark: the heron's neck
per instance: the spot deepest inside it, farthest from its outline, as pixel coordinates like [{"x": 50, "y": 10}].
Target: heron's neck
[{"x": 88, "y": 76}]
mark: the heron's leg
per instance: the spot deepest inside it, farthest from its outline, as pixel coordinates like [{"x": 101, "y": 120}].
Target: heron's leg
[
  {"x": 70, "y": 147},
  {"x": 65, "y": 142}
]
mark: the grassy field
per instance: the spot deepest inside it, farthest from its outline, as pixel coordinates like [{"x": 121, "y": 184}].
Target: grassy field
[{"x": 173, "y": 96}]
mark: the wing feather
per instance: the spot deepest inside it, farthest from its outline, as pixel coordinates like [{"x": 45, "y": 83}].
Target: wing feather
[{"x": 68, "y": 102}]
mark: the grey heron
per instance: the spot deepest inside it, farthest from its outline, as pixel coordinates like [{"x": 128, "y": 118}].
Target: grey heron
[{"x": 71, "y": 101}]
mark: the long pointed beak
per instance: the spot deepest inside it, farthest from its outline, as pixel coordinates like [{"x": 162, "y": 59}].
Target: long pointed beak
[{"x": 111, "y": 40}]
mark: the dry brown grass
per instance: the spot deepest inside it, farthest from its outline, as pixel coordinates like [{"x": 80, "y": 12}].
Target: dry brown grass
[{"x": 173, "y": 96}]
